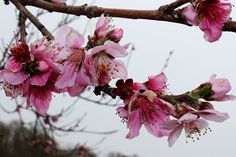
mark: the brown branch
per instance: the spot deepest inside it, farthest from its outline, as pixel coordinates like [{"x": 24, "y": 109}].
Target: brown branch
[
  {"x": 94, "y": 11},
  {"x": 32, "y": 18},
  {"x": 22, "y": 19}
]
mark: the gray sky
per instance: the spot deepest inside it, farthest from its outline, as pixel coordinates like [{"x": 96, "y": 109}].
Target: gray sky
[{"x": 192, "y": 63}]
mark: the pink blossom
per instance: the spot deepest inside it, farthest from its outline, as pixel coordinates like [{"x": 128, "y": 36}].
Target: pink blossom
[
  {"x": 27, "y": 73},
  {"x": 191, "y": 120},
  {"x": 144, "y": 108},
  {"x": 211, "y": 16},
  {"x": 103, "y": 29},
  {"x": 220, "y": 88},
  {"x": 101, "y": 65},
  {"x": 47, "y": 51},
  {"x": 70, "y": 61}
]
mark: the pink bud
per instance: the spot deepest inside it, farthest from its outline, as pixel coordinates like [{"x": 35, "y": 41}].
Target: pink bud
[
  {"x": 116, "y": 34},
  {"x": 220, "y": 87},
  {"x": 43, "y": 66}
]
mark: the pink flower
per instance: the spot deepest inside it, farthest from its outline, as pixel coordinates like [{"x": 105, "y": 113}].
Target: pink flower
[
  {"x": 211, "y": 16},
  {"x": 190, "y": 119},
  {"x": 190, "y": 122},
  {"x": 144, "y": 108},
  {"x": 101, "y": 65},
  {"x": 103, "y": 29},
  {"x": 70, "y": 61},
  {"x": 47, "y": 51},
  {"x": 59, "y": 1},
  {"x": 220, "y": 88},
  {"x": 30, "y": 73}
]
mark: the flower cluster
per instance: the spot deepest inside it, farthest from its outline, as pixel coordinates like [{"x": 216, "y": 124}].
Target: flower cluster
[
  {"x": 209, "y": 15},
  {"x": 68, "y": 65},
  {"x": 63, "y": 64},
  {"x": 166, "y": 115}
]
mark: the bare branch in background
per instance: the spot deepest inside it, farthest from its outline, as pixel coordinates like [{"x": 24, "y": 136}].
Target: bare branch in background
[{"x": 33, "y": 19}]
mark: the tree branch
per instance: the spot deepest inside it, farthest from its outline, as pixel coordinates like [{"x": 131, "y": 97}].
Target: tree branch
[
  {"x": 160, "y": 14},
  {"x": 32, "y": 18},
  {"x": 22, "y": 19}
]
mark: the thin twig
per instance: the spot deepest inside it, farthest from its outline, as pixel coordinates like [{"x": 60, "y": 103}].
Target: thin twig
[{"x": 33, "y": 19}]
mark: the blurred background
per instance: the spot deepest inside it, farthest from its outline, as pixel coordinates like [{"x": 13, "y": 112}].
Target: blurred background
[{"x": 193, "y": 62}]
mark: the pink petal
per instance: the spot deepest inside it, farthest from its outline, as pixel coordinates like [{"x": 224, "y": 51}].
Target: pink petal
[
  {"x": 190, "y": 14},
  {"x": 134, "y": 124},
  {"x": 169, "y": 125},
  {"x": 226, "y": 98},
  {"x": 15, "y": 78},
  {"x": 81, "y": 83},
  {"x": 212, "y": 30},
  {"x": 188, "y": 117},
  {"x": 156, "y": 130},
  {"x": 122, "y": 112},
  {"x": 118, "y": 70},
  {"x": 174, "y": 135},
  {"x": 111, "y": 48},
  {"x": 68, "y": 36},
  {"x": 138, "y": 86},
  {"x": 158, "y": 82},
  {"x": 115, "y": 49},
  {"x": 68, "y": 76},
  {"x": 102, "y": 26},
  {"x": 40, "y": 98},
  {"x": 200, "y": 123},
  {"x": 213, "y": 115},
  {"x": 13, "y": 65},
  {"x": 40, "y": 79}
]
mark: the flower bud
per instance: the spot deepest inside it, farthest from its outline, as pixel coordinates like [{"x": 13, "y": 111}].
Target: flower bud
[
  {"x": 43, "y": 66},
  {"x": 220, "y": 87}
]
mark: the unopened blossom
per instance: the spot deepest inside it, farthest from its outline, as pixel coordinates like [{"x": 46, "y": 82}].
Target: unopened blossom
[
  {"x": 104, "y": 29},
  {"x": 220, "y": 88},
  {"x": 102, "y": 66},
  {"x": 194, "y": 122},
  {"x": 70, "y": 61},
  {"x": 211, "y": 16}
]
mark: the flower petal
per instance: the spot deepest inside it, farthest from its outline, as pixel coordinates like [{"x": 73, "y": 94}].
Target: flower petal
[
  {"x": 134, "y": 124},
  {"x": 174, "y": 135},
  {"x": 13, "y": 65},
  {"x": 213, "y": 115},
  {"x": 69, "y": 37},
  {"x": 40, "y": 79},
  {"x": 15, "y": 78},
  {"x": 68, "y": 76}
]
